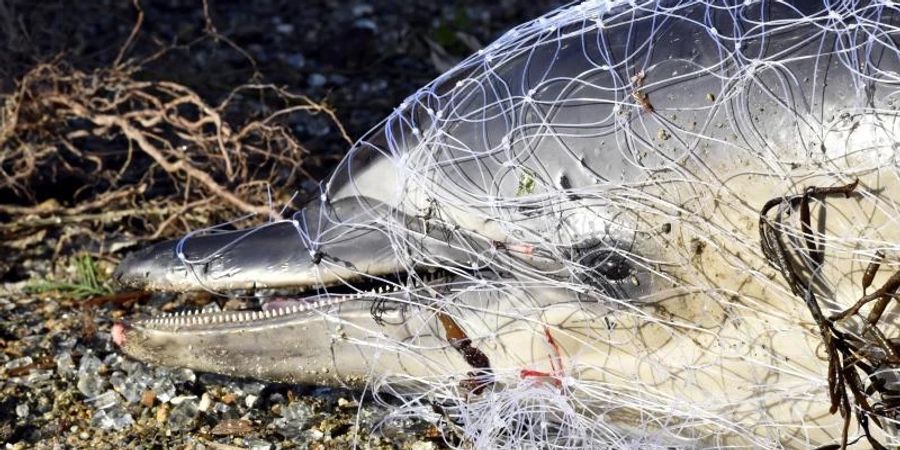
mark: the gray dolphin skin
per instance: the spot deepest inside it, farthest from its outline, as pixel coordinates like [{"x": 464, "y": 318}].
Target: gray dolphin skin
[{"x": 621, "y": 225}]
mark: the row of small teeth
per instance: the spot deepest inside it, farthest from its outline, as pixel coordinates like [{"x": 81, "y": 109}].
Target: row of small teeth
[{"x": 200, "y": 317}]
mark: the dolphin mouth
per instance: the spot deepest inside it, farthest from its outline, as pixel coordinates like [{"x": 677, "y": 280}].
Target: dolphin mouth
[
  {"x": 304, "y": 310},
  {"x": 304, "y": 279}
]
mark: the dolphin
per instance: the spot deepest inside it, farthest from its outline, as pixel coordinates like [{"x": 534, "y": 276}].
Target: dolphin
[{"x": 624, "y": 223}]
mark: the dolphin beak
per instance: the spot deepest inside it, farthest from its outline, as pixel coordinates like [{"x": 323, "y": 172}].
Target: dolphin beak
[
  {"x": 335, "y": 345},
  {"x": 279, "y": 255},
  {"x": 319, "y": 275}
]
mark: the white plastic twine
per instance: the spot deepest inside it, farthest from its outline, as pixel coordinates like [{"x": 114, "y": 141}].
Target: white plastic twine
[{"x": 485, "y": 193}]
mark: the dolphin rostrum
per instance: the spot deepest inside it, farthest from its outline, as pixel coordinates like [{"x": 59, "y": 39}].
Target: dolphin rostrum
[{"x": 622, "y": 224}]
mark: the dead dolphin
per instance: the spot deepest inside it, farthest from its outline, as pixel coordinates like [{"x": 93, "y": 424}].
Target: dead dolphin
[{"x": 621, "y": 224}]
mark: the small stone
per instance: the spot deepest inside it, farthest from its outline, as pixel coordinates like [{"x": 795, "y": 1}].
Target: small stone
[
  {"x": 423, "y": 445},
  {"x": 295, "y": 60},
  {"x": 113, "y": 361},
  {"x": 133, "y": 386},
  {"x": 162, "y": 414},
  {"x": 183, "y": 375},
  {"x": 182, "y": 415},
  {"x": 366, "y": 24},
  {"x": 362, "y": 10},
  {"x": 65, "y": 366},
  {"x": 205, "y": 402},
  {"x": 181, "y": 399},
  {"x": 105, "y": 400},
  {"x": 317, "y": 80},
  {"x": 293, "y": 420},
  {"x": 22, "y": 410},
  {"x": 257, "y": 444},
  {"x": 232, "y": 427},
  {"x": 250, "y": 400},
  {"x": 221, "y": 408},
  {"x": 90, "y": 382},
  {"x": 297, "y": 411},
  {"x": 38, "y": 376},
  {"x": 284, "y": 28},
  {"x": 314, "y": 434},
  {"x": 148, "y": 398},
  {"x": 115, "y": 417},
  {"x": 18, "y": 363},
  {"x": 164, "y": 389},
  {"x": 229, "y": 398}
]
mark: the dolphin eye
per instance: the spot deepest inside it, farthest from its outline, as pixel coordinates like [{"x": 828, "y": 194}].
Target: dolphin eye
[{"x": 610, "y": 265}]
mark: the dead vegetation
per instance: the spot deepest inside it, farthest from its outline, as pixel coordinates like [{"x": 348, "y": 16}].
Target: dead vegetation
[{"x": 106, "y": 158}]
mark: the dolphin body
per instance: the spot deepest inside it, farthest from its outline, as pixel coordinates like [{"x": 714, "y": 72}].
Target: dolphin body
[{"x": 561, "y": 240}]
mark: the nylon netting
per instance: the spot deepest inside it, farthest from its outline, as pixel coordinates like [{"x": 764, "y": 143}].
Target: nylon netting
[{"x": 592, "y": 185}]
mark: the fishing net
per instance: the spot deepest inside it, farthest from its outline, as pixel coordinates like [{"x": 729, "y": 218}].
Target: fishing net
[{"x": 639, "y": 225}]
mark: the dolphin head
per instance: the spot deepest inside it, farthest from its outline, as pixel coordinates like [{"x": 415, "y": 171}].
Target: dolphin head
[{"x": 653, "y": 209}]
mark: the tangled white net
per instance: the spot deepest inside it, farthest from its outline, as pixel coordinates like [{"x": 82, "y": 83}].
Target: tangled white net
[{"x": 593, "y": 184}]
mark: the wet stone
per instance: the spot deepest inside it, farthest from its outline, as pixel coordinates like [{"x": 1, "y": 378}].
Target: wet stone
[
  {"x": 317, "y": 80},
  {"x": 257, "y": 444},
  {"x": 205, "y": 402},
  {"x": 65, "y": 365},
  {"x": 114, "y": 417},
  {"x": 110, "y": 413},
  {"x": 105, "y": 400},
  {"x": 182, "y": 415},
  {"x": 17, "y": 363},
  {"x": 67, "y": 344},
  {"x": 90, "y": 382},
  {"x": 221, "y": 408},
  {"x": 132, "y": 386},
  {"x": 130, "y": 366},
  {"x": 38, "y": 376},
  {"x": 104, "y": 342},
  {"x": 295, "y": 60},
  {"x": 113, "y": 361},
  {"x": 164, "y": 389},
  {"x": 183, "y": 376},
  {"x": 293, "y": 420}
]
